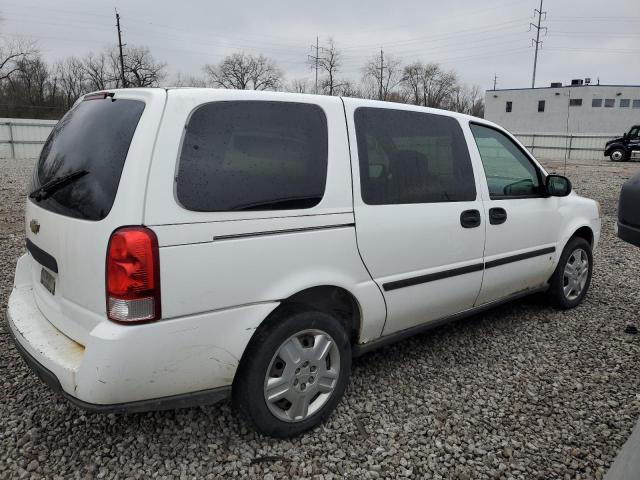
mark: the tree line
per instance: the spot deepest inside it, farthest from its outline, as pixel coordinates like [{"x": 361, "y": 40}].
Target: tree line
[{"x": 32, "y": 88}]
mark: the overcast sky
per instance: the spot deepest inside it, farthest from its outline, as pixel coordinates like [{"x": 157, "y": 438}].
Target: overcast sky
[{"x": 475, "y": 38}]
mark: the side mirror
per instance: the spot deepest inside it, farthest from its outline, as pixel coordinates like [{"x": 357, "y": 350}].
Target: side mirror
[
  {"x": 625, "y": 136},
  {"x": 558, "y": 186}
]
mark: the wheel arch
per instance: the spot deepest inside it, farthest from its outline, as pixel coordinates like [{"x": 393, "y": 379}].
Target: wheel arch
[{"x": 335, "y": 300}]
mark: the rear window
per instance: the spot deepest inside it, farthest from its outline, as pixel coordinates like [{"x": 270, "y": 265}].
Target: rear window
[
  {"x": 93, "y": 137},
  {"x": 253, "y": 155}
]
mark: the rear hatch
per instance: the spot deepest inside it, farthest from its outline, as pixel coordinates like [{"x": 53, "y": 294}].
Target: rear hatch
[{"x": 89, "y": 180}]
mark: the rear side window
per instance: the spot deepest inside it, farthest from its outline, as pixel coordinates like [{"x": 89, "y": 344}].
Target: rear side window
[
  {"x": 412, "y": 157},
  {"x": 253, "y": 155},
  {"x": 93, "y": 137}
]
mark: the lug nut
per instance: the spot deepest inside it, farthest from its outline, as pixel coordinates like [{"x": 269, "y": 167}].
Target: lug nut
[
  {"x": 303, "y": 386},
  {"x": 295, "y": 382},
  {"x": 311, "y": 379},
  {"x": 297, "y": 371},
  {"x": 313, "y": 368}
]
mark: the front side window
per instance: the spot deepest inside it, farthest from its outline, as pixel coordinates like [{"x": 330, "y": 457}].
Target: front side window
[
  {"x": 412, "y": 157},
  {"x": 609, "y": 102},
  {"x": 596, "y": 102},
  {"x": 509, "y": 171},
  {"x": 253, "y": 155},
  {"x": 634, "y": 133}
]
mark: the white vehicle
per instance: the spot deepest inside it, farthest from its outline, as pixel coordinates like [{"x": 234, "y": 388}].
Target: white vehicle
[{"x": 185, "y": 245}]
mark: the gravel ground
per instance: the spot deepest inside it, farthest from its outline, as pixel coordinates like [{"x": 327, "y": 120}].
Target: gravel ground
[{"x": 524, "y": 391}]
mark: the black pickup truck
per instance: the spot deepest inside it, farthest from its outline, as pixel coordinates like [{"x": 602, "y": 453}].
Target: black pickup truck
[
  {"x": 629, "y": 211},
  {"x": 624, "y": 148}
]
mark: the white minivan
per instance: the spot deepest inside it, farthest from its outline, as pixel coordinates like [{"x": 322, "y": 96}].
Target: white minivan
[{"x": 185, "y": 245}]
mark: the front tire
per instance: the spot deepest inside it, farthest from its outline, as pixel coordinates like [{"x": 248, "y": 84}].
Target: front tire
[
  {"x": 572, "y": 277},
  {"x": 293, "y": 373},
  {"x": 618, "y": 155}
]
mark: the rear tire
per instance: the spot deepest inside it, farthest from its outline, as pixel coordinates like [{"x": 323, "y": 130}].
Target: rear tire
[
  {"x": 618, "y": 155},
  {"x": 293, "y": 373},
  {"x": 572, "y": 277}
]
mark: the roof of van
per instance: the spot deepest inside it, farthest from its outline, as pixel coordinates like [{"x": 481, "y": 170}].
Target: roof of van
[{"x": 290, "y": 95}]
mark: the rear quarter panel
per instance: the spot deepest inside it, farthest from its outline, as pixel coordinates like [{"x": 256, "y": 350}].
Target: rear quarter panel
[{"x": 201, "y": 272}]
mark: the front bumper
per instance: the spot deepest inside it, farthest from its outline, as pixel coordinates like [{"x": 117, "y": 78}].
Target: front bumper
[
  {"x": 171, "y": 363},
  {"x": 629, "y": 234}
]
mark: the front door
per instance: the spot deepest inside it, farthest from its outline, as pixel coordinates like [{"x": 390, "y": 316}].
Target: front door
[
  {"x": 523, "y": 223},
  {"x": 419, "y": 221}
]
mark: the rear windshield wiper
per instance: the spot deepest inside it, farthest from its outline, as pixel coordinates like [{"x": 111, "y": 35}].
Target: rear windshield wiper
[{"x": 43, "y": 191}]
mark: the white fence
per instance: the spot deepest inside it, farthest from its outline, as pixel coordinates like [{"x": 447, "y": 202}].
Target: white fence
[
  {"x": 550, "y": 146},
  {"x": 23, "y": 138}
]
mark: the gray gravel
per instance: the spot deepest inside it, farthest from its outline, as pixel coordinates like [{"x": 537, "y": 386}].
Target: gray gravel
[{"x": 520, "y": 392}]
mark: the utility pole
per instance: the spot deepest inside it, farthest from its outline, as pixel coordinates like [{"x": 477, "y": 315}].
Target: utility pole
[
  {"x": 495, "y": 80},
  {"x": 381, "y": 72},
  {"x": 124, "y": 80},
  {"x": 537, "y": 42},
  {"x": 316, "y": 59}
]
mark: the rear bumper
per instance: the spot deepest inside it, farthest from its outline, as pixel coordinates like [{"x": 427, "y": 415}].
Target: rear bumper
[
  {"x": 172, "y": 363},
  {"x": 165, "y": 403}
]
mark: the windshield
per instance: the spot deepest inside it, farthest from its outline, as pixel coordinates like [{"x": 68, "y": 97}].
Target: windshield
[{"x": 94, "y": 137}]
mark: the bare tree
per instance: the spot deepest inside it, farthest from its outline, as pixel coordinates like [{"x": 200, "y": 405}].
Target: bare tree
[
  {"x": 140, "y": 68},
  {"x": 347, "y": 88},
  {"x": 12, "y": 53},
  {"x": 329, "y": 61},
  {"x": 300, "y": 85},
  {"x": 465, "y": 99},
  {"x": 412, "y": 82},
  {"x": 437, "y": 85},
  {"x": 71, "y": 78},
  {"x": 381, "y": 76},
  {"x": 181, "y": 80},
  {"x": 429, "y": 85},
  {"x": 100, "y": 71},
  {"x": 245, "y": 72}
]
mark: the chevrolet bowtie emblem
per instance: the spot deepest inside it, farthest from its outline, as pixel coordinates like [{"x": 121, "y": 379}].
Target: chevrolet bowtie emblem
[{"x": 34, "y": 226}]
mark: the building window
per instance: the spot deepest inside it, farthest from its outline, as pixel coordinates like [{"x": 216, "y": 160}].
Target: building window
[
  {"x": 624, "y": 103},
  {"x": 575, "y": 102},
  {"x": 596, "y": 102},
  {"x": 609, "y": 102},
  {"x": 541, "y": 104},
  {"x": 636, "y": 104},
  {"x": 509, "y": 107}
]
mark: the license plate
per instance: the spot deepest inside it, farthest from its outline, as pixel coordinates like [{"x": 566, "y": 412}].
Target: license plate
[{"x": 48, "y": 281}]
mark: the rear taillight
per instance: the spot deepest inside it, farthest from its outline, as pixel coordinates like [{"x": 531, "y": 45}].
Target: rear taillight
[{"x": 133, "y": 276}]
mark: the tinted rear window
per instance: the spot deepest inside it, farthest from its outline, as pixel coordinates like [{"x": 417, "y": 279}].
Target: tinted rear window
[
  {"x": 95, "y": 137},
  {"x": 253, "y": 155}
]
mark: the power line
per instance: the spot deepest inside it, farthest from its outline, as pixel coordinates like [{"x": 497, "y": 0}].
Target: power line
[{"x": 537, "y": 40}]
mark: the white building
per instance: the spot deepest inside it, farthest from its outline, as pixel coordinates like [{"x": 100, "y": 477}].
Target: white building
[{"x": 579, "y": 108}]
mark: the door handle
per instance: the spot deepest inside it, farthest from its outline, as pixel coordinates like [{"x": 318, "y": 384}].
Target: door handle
[
  {"x": 497, "y": 216},
  {"x": 470, "y": 218}
]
